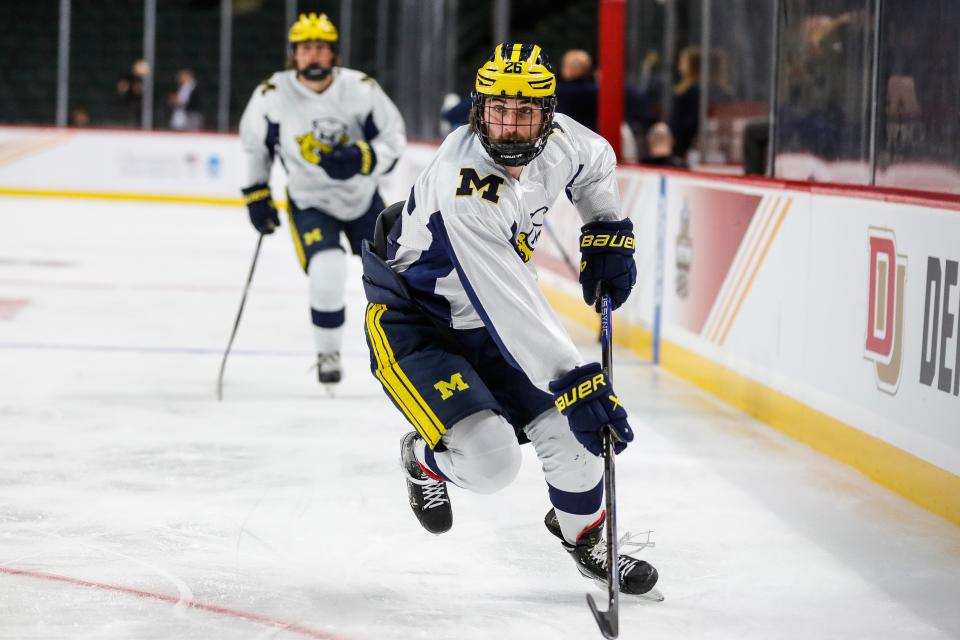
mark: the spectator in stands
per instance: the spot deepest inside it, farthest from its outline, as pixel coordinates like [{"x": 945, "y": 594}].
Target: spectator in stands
[
  {"x": 821, "y": 93},
  {"x": 685, "y": 107},
  {"x": 130, "y": 89},
  {"x": 577, "y": 88},
  {"x": 643, "y": 98},
  {"x": 660, "y": 148},
  {"x": 79, "y": 118},
  {"x": 186, "y": 114}
]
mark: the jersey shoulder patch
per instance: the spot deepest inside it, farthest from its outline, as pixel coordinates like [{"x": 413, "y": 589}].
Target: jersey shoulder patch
[{"x": 266, "y": 85}]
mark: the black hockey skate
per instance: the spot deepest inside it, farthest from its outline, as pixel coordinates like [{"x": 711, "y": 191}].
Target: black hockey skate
[
  {"x": 637, "y": 577},
  {"x": 428, "y": 497},
  {"x": 328, "y": 368}
]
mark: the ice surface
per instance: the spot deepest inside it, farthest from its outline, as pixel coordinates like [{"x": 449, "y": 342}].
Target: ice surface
[{"x": 133, "y": 505}]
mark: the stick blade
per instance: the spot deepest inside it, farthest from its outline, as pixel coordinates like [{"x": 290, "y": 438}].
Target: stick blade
[{"x": 607, "y": 620}]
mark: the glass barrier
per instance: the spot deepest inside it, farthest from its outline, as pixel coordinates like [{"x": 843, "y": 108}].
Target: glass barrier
[
  {"x": 28, "y": 74},
  {"x": 663, "y": 67},
  {"x": 918, "y": 135},
  {"x": 106, "y": 66},
  {"x": 646, "y": 85},
  {"x": 741, "y": 52},
  {"x": 839, "y": 117},
  {"x": 187, "y": 65},
  {"x": 824, "y": 85},
  {"x": 259, "y": 49}
]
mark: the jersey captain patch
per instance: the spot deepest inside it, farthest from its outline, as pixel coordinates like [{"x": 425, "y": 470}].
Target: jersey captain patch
[{"x": 488, "y": 186}]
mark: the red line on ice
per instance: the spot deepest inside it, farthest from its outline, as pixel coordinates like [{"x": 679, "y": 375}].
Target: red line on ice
[
  {"x": 190, "y": 604},
  {"x": 10, "y": 306}
]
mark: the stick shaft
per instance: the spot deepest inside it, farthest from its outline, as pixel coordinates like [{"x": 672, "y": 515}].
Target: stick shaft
[
  {"x": 609, "y": 470},
  {"x": 236, "y": 323}
]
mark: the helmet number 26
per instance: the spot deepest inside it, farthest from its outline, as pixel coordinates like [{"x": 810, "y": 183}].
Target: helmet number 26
[{"x": 513, "y": 67}]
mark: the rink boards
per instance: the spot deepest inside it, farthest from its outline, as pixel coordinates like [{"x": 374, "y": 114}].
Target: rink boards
[{"x": 830, "y": 313}]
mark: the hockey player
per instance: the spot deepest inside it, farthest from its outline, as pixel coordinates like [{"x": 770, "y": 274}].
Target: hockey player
[
  {"x": 336, "y": 132},
  {"x": 461, "y": 337}
]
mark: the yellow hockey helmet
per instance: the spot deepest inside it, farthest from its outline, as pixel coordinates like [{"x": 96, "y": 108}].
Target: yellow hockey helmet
[
  {"x": 516, "y": 70},
  {"x": 312, "y": 27},
  {"x": 513, "y": 135}
]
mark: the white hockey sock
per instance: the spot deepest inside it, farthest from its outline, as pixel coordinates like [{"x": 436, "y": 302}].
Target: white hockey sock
[
  {"x": 572, "y": 473},
  {"x": 327, "y": 272}
]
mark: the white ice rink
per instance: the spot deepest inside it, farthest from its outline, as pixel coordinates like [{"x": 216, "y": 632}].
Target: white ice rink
[{"x": 133, "y": 505}]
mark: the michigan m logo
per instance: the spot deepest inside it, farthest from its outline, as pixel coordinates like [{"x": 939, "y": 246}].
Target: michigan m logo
[
  {"x": 446, "y": 388},
  {"x": 312, "y": 236},
  {"x": 471, "y": 182}
]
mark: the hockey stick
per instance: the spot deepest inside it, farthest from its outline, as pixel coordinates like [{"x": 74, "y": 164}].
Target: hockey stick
[
  {"x": 236, "y": 323},
  {"x": 609, "y": 620},
  {"x": 563, "y": 253}
]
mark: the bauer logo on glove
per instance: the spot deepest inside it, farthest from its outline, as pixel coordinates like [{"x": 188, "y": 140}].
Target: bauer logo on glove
[
  {"x": 586, "y": 398},
  {"x": 263, "y": 215},
  {"x": 579, "y": 392},
  {"x": 606, "y": 259},
  {"x": 611, "y": 241}
]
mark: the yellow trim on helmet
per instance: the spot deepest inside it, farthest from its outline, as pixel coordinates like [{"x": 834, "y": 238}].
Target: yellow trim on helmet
[
  {"x": 312, "y": 27},
  {"x": 514, "y": 76}
]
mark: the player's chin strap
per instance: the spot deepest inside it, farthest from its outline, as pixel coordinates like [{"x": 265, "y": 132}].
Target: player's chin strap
[{"x": 315, "y": 72}]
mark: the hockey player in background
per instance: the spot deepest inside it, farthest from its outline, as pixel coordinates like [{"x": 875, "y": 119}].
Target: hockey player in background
[
  {"x": 461, "y": 337},
  {"x": 336, "y": 132}
]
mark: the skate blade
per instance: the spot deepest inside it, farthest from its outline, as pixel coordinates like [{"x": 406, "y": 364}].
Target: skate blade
[
  {"x": 654, "y": 595},
  {"x": 330, "y": 388}
]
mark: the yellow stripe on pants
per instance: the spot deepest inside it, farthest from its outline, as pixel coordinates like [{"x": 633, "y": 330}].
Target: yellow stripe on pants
[
  {"x": 396, "y": 382},
  {"x": 296, "y": 240}
]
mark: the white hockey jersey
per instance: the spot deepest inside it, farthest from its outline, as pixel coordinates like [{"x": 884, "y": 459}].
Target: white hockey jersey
[
  {"x": 284, "y": 117},
  {"x": 469, "y": 229}
]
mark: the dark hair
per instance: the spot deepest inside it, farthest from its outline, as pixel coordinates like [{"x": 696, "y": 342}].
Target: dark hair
[{"x": 292, "y": 60}]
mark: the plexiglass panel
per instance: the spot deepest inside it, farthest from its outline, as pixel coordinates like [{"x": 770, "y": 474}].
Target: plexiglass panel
[
  {"x": 823, "y": 98},
  {"x": 28, "y": 62},
  {"x": 106, "y": 67},
  {"x": 918, "y": 134}
]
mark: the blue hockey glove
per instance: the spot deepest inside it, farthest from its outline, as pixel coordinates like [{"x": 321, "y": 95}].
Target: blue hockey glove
[
  {"x": 587, "y": 400},
  {"x": 263, "y": 215},
  {"x": 606, "y": 258},
  {"x": 346, "y": 161}
]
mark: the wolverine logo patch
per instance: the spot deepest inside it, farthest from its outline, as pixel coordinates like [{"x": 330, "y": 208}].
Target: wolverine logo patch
[{"x": 324, "y": 135}]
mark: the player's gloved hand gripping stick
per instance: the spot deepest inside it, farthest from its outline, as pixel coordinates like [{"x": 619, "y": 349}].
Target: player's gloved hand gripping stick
[
  {"x": 263, "y": 215},
  {"x": 606, "y": 258},
  {"x": 345, "y": 161}
]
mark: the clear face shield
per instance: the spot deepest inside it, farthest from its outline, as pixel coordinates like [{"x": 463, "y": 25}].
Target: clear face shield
[{"x": 513, "y": 130}]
